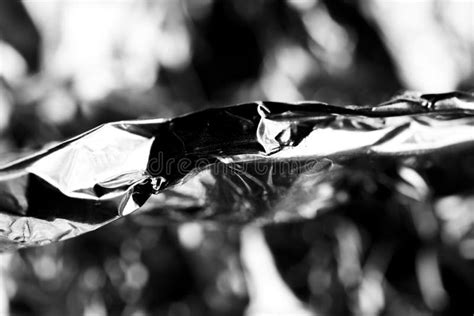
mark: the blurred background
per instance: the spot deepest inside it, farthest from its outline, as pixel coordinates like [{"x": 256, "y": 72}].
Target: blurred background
[{"x": 69, "y": 65}]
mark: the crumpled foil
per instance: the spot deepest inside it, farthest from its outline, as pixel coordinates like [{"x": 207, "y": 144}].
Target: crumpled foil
[{"x": 260, "y": 162}]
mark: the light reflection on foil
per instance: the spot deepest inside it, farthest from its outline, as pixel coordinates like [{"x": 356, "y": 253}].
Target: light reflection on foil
[{"x": 260, "y": 162}]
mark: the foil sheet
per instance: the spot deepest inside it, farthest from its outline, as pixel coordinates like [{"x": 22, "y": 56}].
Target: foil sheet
[{"x": 260, "y": 162}]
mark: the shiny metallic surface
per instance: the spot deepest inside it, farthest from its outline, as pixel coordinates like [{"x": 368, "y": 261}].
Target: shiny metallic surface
[{"x": 261, "y": 162}]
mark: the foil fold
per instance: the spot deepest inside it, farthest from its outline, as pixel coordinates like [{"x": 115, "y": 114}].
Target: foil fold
[{"x": 260, "y": 162}]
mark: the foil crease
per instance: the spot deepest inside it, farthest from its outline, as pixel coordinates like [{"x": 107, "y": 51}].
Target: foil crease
[{"x": 260, "y": 162}]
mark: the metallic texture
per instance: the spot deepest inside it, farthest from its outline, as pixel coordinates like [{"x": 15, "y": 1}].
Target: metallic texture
[{"x": 261, "y": 162}]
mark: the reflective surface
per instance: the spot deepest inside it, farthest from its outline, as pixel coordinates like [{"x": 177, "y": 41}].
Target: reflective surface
[{"x": 261, "y": 162}]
